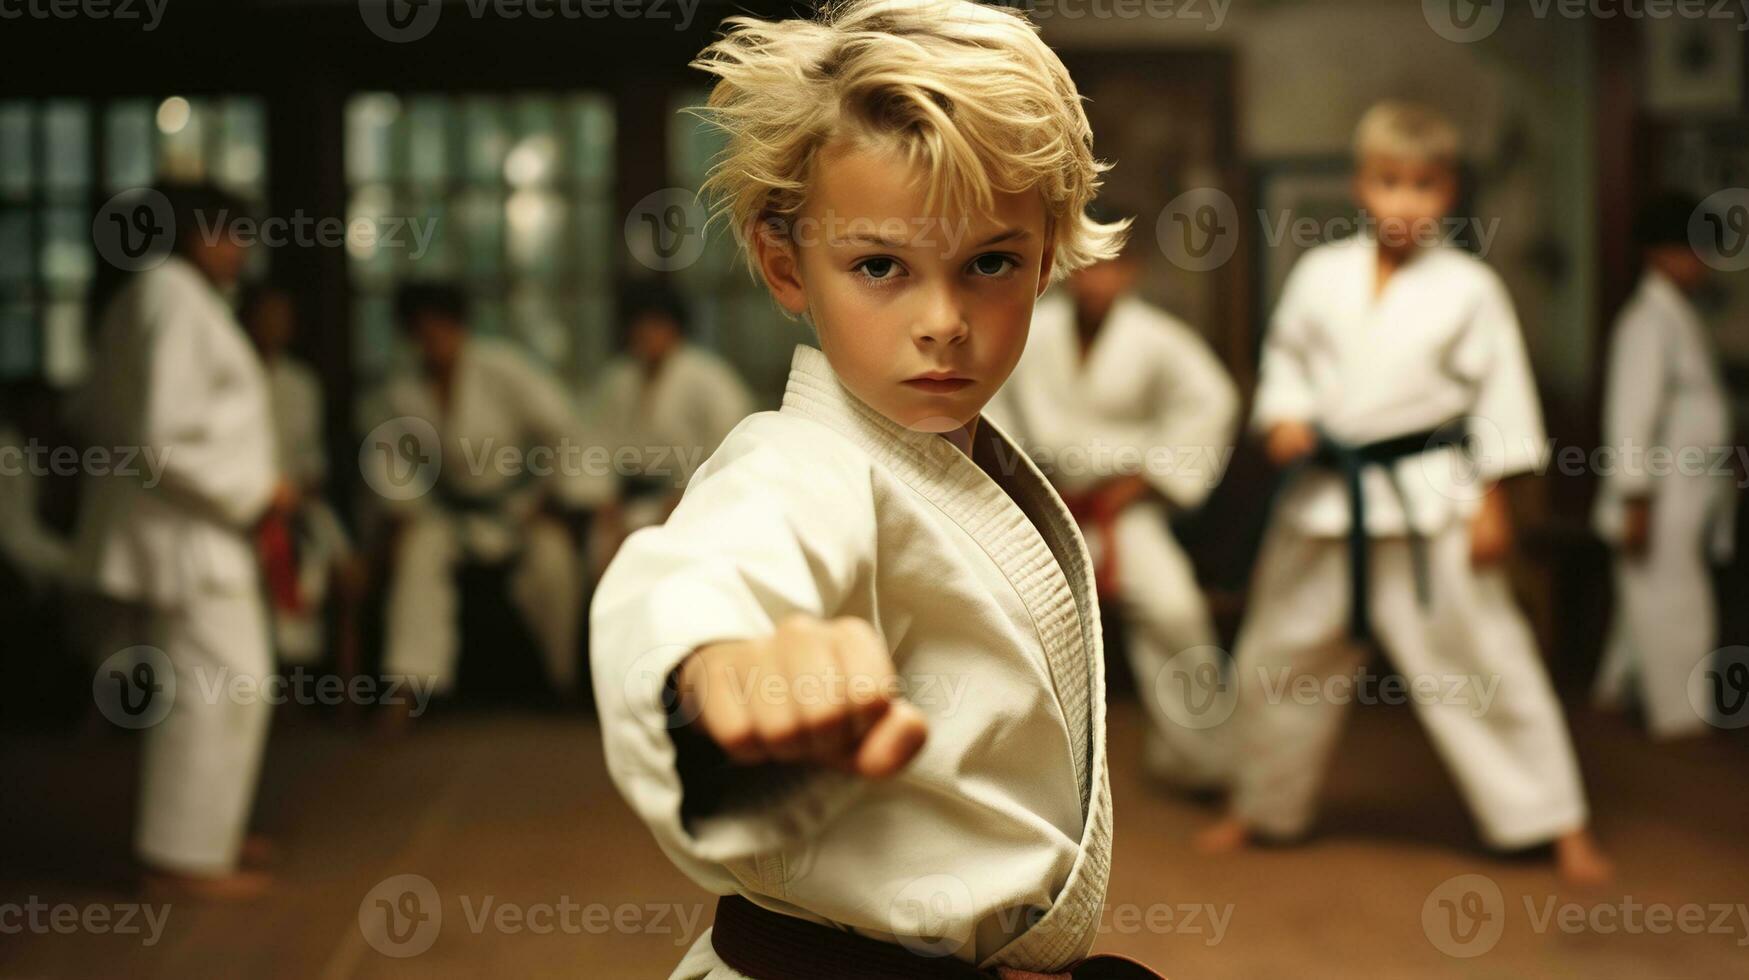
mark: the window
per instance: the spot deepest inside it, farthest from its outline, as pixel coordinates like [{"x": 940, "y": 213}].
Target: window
[
  {"x": 510, "y": 197},
  {"x": 732, "y": 311},
  {"x": 59, "y": 161}
]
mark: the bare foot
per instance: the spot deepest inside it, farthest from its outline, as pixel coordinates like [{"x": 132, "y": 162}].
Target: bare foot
[
  {"x": 259, "y": 851},
  {"x": 236, "y": 886},
  {"x": 1581, "y": 861},
  {"x": 1225, "y": 837}
]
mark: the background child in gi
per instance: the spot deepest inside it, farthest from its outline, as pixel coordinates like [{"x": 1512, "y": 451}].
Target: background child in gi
[
  {"x": 1665, "y": 394},
  {"x": 1386, "y": 347}
]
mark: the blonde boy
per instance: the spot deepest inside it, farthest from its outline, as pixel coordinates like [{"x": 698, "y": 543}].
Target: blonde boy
[
  {"x": 1385, "y": 351},
  {"x": 854, "y": 683}
]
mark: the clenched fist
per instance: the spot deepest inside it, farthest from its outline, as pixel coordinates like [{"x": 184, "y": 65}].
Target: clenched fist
[{"x": 815, "y": 691}]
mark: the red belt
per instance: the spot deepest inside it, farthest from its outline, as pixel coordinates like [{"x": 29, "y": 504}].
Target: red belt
[
  {"x": 1089, "y": 509},
  {"x": 769, "y": 945}
]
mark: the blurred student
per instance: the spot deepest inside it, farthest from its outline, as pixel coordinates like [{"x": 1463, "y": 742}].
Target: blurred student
[
  {"x": 174, "y": 375},
  {"x": 1131, "y": 416},
  {"x": 668, "y": 399},
  {"x": 310, "y": 551},
  {"x": 511, "y": 483},
  {"x": 1669, "y": 502},
  {"x": 1386, "y": 351}
]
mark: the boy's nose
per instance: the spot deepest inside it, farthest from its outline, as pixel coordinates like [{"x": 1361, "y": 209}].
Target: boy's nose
[{"x": 943, "y": 322}]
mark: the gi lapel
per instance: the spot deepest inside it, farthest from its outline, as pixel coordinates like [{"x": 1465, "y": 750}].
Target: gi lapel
[{"x": 1059, "y": 596}]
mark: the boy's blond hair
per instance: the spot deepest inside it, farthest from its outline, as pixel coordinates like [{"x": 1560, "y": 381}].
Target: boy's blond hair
[
  {"x": 967, "y": 93},
  {"x": 1408, "y": 131}
]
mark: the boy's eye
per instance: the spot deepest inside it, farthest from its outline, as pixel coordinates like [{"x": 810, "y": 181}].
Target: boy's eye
[
  {"x": 993, "y": 264},
  {"x": 877, "y": 268}
]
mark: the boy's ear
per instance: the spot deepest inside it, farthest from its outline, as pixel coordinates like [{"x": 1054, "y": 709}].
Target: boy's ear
[{"x": 781, "y": 266}]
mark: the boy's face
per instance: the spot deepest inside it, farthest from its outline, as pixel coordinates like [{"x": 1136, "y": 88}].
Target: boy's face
[
  {"x": 1406, "y": 197},
  {"x": 897, "y": 295}
]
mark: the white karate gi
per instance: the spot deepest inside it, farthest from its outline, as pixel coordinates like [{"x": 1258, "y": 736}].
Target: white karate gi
[
  {"x": 1665, "y": 392},
  {"x": 27, "y": 545},
  {"x": 672, "y": 422},
  {"x": 1149, "y": 398},
  {"x": 1441, "y": 342},
  {"x": 828, "y": 508},
  {"x": 303, "y": 457},
  {"x": 175, "y": 374},
  {"x": 510, "y": 437}
]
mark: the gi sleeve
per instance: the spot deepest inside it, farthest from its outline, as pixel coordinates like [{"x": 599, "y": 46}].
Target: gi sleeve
[
  {"x": 1506, "y": 423},
  {"x": 1633, "y": 398},
  {"x": 763, "y": 531},
  {"x": 200, "y": 465},
  {"x": 1284, "y": 387},
  {"x": 1199, "y": 408}
]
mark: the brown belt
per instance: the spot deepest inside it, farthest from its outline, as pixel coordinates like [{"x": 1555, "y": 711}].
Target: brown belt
[{"x": 769, "y": 945}]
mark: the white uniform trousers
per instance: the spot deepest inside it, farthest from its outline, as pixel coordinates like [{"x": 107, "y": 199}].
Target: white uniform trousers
[
  {"x": 1665, "y": 622},
  {"x": 200, "y": 765},
  {"x": 1169, "y": 639},
  {"x": 1513, "y": 761},
  {"x": 423, "y": 606}
]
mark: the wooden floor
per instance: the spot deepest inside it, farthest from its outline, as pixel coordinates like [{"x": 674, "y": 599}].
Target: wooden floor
[{"x": 517, "y": 811}]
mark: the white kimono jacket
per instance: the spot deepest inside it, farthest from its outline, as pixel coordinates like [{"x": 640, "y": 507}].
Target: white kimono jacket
[
  {"x": 680, "y": 419},
  {"x": 174, "y": 373},
  {"x": 1441, "y": 343},
  {"x": 829, "y": 508},
  {"x": 1665, "y": 390},
  {"x": 1149, "y": 398},
  {"x": 297, "y": 420},
  {"x": 511, "y": 434}
]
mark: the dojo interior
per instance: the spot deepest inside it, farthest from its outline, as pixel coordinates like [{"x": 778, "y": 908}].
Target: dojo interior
[{"x": 532, "y": 145}]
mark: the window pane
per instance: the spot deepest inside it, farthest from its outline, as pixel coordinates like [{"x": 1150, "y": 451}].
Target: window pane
[
  {"x": 370, "y": 126},
  {"x": 592, "y": 139},
  {"x": 128, "y": 153},
  {"x": 64, "y": 342},
  {"x": 426, "y": 146},
  {"x": 17, "y": 150},
  {"x": 17, "y": 340},
  {"x": 14, "y": 245},
  {"x": 535, "y": 224},
  {"x": 374, "y": 336},
  {"x": 370, "y": 205},
  {"x": 482, "y": 227},
  {"x": 67, "y": 128},
  {"x": 488, "y": 139},
  {"x": 242, "y": 144},
  {"x": 66, "y": 245}
]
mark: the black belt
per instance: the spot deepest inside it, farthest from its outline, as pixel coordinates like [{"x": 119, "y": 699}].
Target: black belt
[
  {"x": 1351, "y": 462},
  {"x": 768, "y": 945}
]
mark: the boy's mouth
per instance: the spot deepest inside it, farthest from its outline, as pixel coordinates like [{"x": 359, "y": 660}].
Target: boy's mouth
[{"x": 942, "y": 385}]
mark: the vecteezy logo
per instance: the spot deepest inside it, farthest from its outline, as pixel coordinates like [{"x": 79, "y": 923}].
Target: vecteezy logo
[
  {"x": 134, "y": 688},
  {"x": 1463, "y": 21},
  {"x": 1719, "y": 230},
  {"x": 401, "y": 916},
  {"x": 1465, "y": 916},
  {"x": 1718, "y": 688},
  {"x": 1199, "y": 230},
  {"x": 646, "y": 684},
  {"x": 401, "y": 458},
  {"x": 932, "y": 915},
  {"x": 134, "y": 230},
  {"x": 665, "y": 231},
  {"x": 1193, "y": 688},
  {"x": 400, "y": 21}
]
